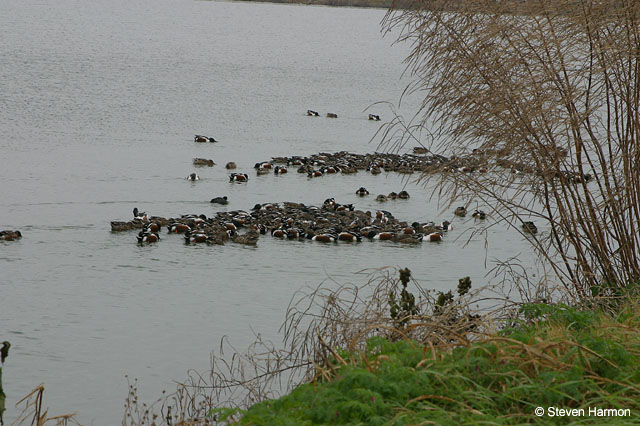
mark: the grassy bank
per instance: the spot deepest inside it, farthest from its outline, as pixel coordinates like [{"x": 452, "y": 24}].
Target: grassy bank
[{"x": 562, "y": 359}]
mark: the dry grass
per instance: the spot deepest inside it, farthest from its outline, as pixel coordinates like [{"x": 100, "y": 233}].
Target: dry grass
[{"x": 547, "y": 97}]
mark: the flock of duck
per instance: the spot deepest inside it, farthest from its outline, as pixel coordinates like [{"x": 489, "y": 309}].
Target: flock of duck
[{"x": 331, "y": 222}]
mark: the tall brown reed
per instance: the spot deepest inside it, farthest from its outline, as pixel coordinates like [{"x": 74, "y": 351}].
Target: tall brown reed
[{"x": 546, "y": 94}]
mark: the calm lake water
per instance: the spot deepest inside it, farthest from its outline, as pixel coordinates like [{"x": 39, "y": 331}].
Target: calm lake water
[{"x": 99, "y": 102}]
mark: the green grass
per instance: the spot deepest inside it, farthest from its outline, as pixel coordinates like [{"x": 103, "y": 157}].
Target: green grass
[{"x": 566, "y": 359}]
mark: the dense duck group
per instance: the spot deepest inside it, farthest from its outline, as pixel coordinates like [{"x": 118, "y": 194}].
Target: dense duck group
[{"x": 330, "y": 222}]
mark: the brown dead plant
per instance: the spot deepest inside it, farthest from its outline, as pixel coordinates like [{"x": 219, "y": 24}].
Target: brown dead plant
[
  {"x": 545, "y": 95},
  {"x": 34, "y": 414},
  {"x": 320, "y": 324}
]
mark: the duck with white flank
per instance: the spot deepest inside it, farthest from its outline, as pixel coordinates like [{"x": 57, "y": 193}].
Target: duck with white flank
[
  {"x": 238, "y": 177},
  {"x": 374, "y": 117},
  {"x": 138, "y": 215},
  {"x": 362, "y": 191},
  {"x": 312, "y": 113},
  {"x": 193, "y": 177},
  {"x": 202, "y": 138},
  {"x": 479, "y": 214}
]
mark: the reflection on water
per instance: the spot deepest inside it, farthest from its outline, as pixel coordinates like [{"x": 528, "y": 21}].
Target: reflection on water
[{"x": 98, "y": 110}]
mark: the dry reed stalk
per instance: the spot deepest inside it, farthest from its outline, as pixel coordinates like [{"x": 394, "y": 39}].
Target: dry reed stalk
[
  {"x": 33, "y": 413},
  {"x": 547, "y": 93}
]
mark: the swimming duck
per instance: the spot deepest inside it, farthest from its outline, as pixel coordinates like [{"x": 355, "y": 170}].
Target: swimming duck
[
  {"x": 265, "y": 165},
  {"x": 201, "y": 138},
  {"x": 220, "y": 200},
  {"x": 230, "y": 165},
  {"x": 262, "y": 171},
  {"x": 9, "y": 235},
  {"x": 193, "y": 177},
  {"x": 332, "y": 115},
  {"x": 178, "y": 228},
  {"x": 195, "y": 238},
  {"x": 324, "y": 238},
  {"x": 460, "y": 211},
  {"x": 349, "y": 236},
  {"x": 151, "y": 227},
  {"x": 238, "y": 177},
  {"x": 384, "y": 236},
  {"x": 529, "y": 227},
  {"x": 420, "y": 150},
  {"x": 444, "y": 226},
  {"x": 392, "y": 195},
  {"x": 138, "y": 215},
  {"x": 315, "y": 173},
  {"x": 434, "y": 237},
  {"x": 280, "y": 170},
  {"x": 403, "y": 195},
  {"x": 408, "y": 238},
  {"x": 343, "y": 207},
  {"x": 375, "y": 170},
  {"x": 203, "y": 162},
  {"x": 362, "y": 191},
  {"x": 479, "y": 214},
  {"x": 278, "y": 233},
  {"x": 382, "y": 198},
  {"x": 374, "y": 117},
  {"x": 148, "y": 237},
  {"x": 312, "y": 113},
  {"x": 249, "y": 238}
]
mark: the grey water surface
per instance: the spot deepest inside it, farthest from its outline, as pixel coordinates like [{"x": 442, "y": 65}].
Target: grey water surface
[{"x": 99, "y": 102}]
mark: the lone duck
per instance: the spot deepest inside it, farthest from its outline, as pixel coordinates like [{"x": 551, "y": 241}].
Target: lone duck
[
  {"x": 202, "y": 138},
  {"x": 230, "y": 165},
  {"x": 479, "y": 214},
  {"x": 362, "y": 191},
  {"x": 193, "y": 177},
  {"x": 529, "y": 227},
  {"x": 220, "y": 200},
  {"x": 312, "y": 113},
  {"x": 10, "y": 235},
  {"x": 420, "y": 150},
  {"x": 374, "y": 117},
  {"x": 332, "y": 115},
  {"x": 238, "y": 177},
  {"x": 203, "y": 162},
  {"x": 460, "y": 211}
]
